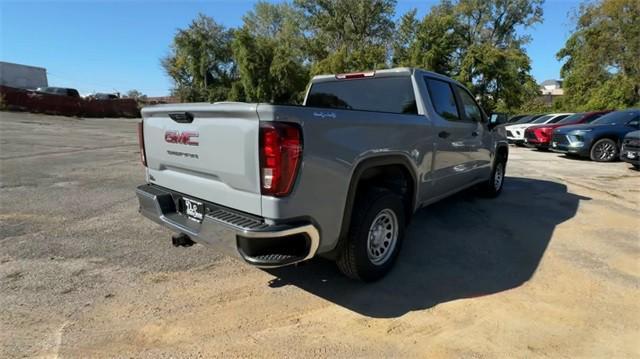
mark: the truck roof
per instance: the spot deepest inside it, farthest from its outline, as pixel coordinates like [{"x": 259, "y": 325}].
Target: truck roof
[{"x": 396, "y": 71}]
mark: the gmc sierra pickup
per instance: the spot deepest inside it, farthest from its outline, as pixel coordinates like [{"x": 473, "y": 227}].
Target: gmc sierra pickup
[{"x": 338, "y": 177}]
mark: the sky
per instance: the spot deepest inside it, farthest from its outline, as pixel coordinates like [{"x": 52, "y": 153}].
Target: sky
[{"x": 108, "y": 46}]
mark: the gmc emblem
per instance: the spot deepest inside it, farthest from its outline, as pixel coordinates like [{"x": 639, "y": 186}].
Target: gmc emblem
[{"x": 183, "y": 138}]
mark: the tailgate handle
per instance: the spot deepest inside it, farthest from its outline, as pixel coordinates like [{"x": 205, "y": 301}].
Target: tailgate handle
[{"x": 182, "y": 117}]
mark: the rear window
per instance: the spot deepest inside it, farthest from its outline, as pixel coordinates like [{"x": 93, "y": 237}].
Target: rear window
[{"x": 383, "y": 94}]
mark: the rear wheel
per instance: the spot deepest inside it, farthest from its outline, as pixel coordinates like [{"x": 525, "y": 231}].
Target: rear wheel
[
  {"x": 375, "y": 235},
  {"x": 604, "y": 150}
]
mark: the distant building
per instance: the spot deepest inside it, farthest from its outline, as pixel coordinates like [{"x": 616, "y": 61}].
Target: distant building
[
  {"x": 22, "y": 76},
  {"x": 552, "y": 87}
]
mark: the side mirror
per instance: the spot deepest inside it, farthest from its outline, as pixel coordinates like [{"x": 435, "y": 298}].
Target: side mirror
[{"x": 493, "y": 121}]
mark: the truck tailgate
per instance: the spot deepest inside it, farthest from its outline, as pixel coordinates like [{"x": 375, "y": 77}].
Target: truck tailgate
[{"x": 213, "y": 157}]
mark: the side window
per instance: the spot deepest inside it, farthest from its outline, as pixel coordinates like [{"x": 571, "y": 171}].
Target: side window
[
  {"x": 471, "y": 110},
  {"x": 443, "y": 99}
]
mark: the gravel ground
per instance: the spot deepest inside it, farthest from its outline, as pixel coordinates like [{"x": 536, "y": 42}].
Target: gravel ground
[{"x": 549, "y": 269}]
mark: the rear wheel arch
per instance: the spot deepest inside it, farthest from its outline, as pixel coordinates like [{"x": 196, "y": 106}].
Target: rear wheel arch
[{"x": 371, "y": 172}]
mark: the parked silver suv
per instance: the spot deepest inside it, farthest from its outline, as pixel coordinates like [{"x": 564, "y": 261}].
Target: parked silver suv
[{"x": 338, "y": 177}]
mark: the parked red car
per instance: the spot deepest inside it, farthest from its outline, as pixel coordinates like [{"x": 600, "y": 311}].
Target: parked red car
[{"x": 540, "y": 136}]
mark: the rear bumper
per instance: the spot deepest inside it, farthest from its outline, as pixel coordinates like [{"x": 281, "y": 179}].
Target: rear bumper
[{"x": 235, "y": 233}]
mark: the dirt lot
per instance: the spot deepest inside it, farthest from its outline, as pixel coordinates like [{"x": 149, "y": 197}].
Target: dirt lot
[{"x": 549, "y": 269}]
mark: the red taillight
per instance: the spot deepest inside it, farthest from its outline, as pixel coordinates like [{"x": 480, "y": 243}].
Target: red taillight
[
  {"x": 143, "y": 155},
  {"x": 280, "y": 153}
]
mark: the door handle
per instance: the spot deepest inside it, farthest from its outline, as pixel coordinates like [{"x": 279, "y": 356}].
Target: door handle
[
  {"x": 474, "y": 134},
  {"x": 443, "y": 134}
]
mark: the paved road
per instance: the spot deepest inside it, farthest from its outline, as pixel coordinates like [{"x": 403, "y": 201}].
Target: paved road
[{"x": 550, "y": 268}]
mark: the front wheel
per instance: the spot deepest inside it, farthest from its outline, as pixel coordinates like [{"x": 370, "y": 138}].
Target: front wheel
[
  {"x": 493, "y": 186},
  {"x": 604, "y": 150},
  {"x": 375, "y": 235}
]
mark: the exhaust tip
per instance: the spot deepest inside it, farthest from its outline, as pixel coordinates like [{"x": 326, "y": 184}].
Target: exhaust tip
[{"x": 181, "y": 240}]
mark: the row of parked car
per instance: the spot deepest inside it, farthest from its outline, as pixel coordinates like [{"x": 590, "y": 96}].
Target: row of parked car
[
  {"x": 70, "y": 92},
  {"x": 602, "y": 136}
]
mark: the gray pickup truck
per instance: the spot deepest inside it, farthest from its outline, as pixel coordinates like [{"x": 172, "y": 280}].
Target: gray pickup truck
[{"x": 338, "y": 177}]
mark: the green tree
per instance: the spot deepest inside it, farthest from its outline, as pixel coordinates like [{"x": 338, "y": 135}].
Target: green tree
[
  {"x": 434, "y": 43},
  {"x": 269, "y": 53},
  {"x": 477, "y": 42},
  {"x": 602, "y": 57},
  {"x": 348, "y": 35},
  {"x": 136, "y": 95},
  {"x": 405, "y": 38},
  {"x": 200, "y": 63}
]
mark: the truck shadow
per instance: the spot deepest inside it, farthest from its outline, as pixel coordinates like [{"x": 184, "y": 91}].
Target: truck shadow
[{"x": 461, "y": 247}]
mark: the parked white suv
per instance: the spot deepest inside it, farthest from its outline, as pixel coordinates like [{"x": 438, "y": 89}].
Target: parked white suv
[{"x": 515, "y": 133}]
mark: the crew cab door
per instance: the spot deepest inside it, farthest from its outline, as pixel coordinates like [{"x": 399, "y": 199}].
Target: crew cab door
[
  {"x": 456, "y": 140},
  {"x": 480, "y": 144}
]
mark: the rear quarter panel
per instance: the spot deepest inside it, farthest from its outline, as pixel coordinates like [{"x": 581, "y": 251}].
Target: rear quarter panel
[{"x": 335, "y": 141}]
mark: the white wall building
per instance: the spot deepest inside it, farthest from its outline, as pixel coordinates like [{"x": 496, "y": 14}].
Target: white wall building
[
  {"x": 552, "y": 87},
  {"x": 22, "y": 76}
]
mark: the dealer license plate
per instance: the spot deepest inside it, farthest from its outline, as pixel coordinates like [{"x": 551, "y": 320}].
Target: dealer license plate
[{"x": 193, "y": 209}]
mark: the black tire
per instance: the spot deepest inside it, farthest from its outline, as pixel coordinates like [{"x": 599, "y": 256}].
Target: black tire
[
  {"x": 491, "y": 188},
  {"x": 604, "y": 150},
  {"x": 353, "y": 257}
]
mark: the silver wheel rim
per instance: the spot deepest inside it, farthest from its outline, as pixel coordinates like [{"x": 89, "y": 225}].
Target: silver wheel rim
[
  {"x": 382, "y": 237},
  {"x": 498, "y": 176},
  {"x": 605, "y": 151}
]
